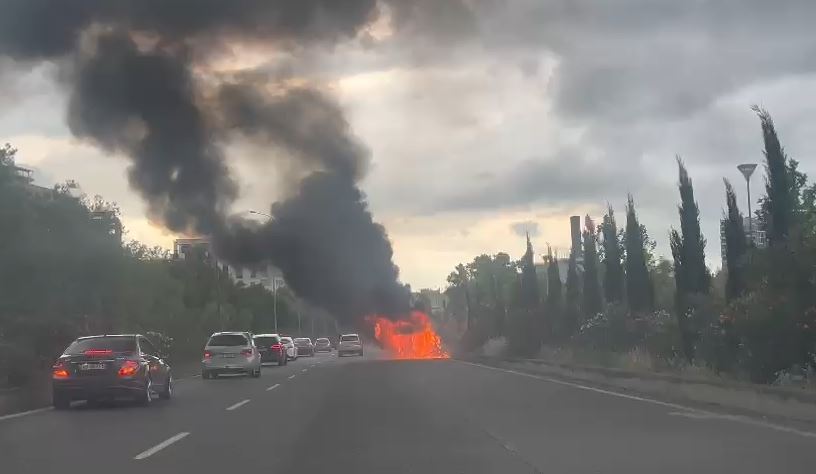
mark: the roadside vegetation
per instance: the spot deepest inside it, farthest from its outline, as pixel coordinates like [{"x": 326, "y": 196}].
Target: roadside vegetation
[
  {"x": 63, "y": 274},
  {"x": 620, "y": 305}
]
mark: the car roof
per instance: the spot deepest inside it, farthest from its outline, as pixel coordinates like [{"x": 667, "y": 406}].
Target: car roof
[
  {"x": 286, "y": 337},
  {"x": 108, "y": 335},
  {"x": 267, "y": 335},
  {"x": 350, "y": 334},
  {"x": 241, "y": 333}
]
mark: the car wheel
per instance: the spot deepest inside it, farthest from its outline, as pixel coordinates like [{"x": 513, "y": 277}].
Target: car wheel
[
  {"x": 61, "y": 402},
  {"x": 167, "y": 392},
  {"x": 146, "y": 396},
  {"x": 281, "y": 361},
  {"x": 256, "y": 373},
  {"x": 205, "y": 375}
]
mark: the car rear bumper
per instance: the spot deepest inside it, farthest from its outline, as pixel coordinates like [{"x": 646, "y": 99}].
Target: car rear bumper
[
  {"x": 271, "y": 356},
  {"x": 235, "y": 365},
  {"x": 86, "y": 389}
]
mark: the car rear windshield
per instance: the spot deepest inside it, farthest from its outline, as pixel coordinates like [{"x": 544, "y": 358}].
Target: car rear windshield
[
  {"x": 266, "y": 341},
  {"x": 105, "y": 343},
  {"x": 349, "y": 338},
  {"x": 302, "y": 341},
  {"x": 322, "y": 341},
  {"x": 228, "y": 340}
]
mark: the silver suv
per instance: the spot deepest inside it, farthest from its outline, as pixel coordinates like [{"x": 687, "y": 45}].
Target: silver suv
[
  {"x": 350, "y": 344},
  {"x": 230, "y": 353}
]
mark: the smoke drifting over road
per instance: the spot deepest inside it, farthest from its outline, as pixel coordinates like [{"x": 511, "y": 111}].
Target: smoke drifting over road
[{"x": 133, "y": 69}]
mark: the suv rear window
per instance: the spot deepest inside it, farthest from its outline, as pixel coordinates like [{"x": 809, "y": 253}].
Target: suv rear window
[
  {"x": 302, "y": 340},
  {"x": 103, "y": 343},
  {"x": 228, "y": 340},
  {"x": 266, "y": 341},
  {"x": 322, "y": 340},
  {"x": 351, "y": 338}
]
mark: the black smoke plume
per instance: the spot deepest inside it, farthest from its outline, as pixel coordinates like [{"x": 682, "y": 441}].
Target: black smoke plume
[{"x": 131, "y": 67}]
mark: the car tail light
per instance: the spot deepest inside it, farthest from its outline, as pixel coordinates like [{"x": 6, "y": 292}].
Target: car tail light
[
  {"x": 98, "y": 352},
  {"x": 128, "y": 368},
  {"x": 207, "y": 355},
  {"x": 275, "y": 347},
  {"x": 59, "y": 371},
  {"x": 246, "y": 352}
]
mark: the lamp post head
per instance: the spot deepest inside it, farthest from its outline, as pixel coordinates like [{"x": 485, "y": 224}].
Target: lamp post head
[{"x": 747, "y": 169}]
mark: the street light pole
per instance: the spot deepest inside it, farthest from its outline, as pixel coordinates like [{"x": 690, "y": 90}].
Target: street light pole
[{"x": 747, "y": 169}]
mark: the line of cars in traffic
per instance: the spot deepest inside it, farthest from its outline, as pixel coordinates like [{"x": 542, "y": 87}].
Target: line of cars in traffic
[{"x": 130, "y": 366}]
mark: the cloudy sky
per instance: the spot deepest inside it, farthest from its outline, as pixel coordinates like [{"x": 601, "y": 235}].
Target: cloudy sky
[{"x": 487, "y": 119}]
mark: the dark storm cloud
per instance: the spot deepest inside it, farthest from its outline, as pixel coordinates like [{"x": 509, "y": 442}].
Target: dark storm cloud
[
  {"x": 643, "y": 58},
  {"x": 566, "y": 179},
  {"x": 48, "y": 28},
  {"x": 128, "y": 65}
]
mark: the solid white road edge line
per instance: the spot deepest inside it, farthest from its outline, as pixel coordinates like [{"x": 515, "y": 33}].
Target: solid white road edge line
[
  {"x": 24, "y": 413},
  {"x": 238, "y": 405},
  {"x": 273, "y": 387},
  {"x": 736, "y": 418},
  {"x": 291, "y": 376},
  {"x": 160, "y": 446}
]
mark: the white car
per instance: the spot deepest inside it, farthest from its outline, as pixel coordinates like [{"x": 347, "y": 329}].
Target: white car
[
  {"x": 350, "y": 344},
  {"x": 291, "y": 350},
  {"x": 230, "y": 353}
]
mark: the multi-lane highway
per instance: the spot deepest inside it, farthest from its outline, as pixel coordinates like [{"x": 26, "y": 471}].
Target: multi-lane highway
[{"x": 367, "y": 415}]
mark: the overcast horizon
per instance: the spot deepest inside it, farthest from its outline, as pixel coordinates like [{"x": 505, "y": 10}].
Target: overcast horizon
[{"x": 487, "y": 120}]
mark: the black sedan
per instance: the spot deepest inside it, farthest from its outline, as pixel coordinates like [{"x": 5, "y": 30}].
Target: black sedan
[
  {"x": 109, "y": 367},
  {"x": 304, "y": 346}
]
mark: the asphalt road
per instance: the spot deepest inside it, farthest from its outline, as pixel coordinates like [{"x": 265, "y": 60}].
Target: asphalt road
[{"x": 364, "y": 415}]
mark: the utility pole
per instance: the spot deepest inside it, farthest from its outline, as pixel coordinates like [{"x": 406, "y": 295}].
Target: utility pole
[
  {"x": 275, "y": 301},
  {"x": 747, "y": 169}
]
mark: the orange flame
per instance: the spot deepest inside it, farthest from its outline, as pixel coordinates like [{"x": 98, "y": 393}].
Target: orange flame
[{"x": 411, "y": 338}]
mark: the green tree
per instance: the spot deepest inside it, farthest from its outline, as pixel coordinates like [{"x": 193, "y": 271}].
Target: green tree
[
  {"x": 691, "y": 274},
  {"x": 554, "y": 303},
  {"x": 613, "y": 270},
  {"x": 779, "y": 200},
  {"x": 593, "y": 302},
  {"x": 529, "y": 280},
  {"x": 572, "y": 300},
  {"x": 639, "y": 291},
  {"x": 735, "y": 246}
]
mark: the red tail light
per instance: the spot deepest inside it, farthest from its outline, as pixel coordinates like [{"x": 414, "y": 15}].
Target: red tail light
[
  {"x": 207, "y": 355},
  {"x": 246, "y": 352},
  {"x": 128, "y": 368},
  {"x": 59, "y": 371},
  {"x": 98, "y": 352},
  {"x": 275, "y": 347}
]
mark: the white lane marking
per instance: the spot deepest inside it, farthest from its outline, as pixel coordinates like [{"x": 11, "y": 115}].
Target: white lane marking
[
  {"x": 291, "y": 376},
  {"x": 238, "y": 405},
  {"x": 273, "y": 387},
  {"x": 692, "y": 411},
  {"x": 304, "y": 370},
  {"x": 24, "y": 413},
  {"x": 160, "y": 446}
]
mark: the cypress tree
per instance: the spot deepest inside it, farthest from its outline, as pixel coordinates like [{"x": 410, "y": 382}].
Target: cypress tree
[
  {"x": 779, "y": 205},
  {"x": 593, "y": 303},
  {"x": 613, "y": 274},
  {"x": 638, "y": 284},
  {"x": 736, "y": 246}
]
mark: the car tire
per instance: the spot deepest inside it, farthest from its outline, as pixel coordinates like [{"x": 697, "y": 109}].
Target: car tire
[
  {"x": 205, "y": 375},
  {"x": 167, "y": 392},
  {"x": 256, "y": 373},
  {"x": 281, "y": 362},
  {"x": 60, "y": 401},
  {"x": 145, "y": 397}
]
